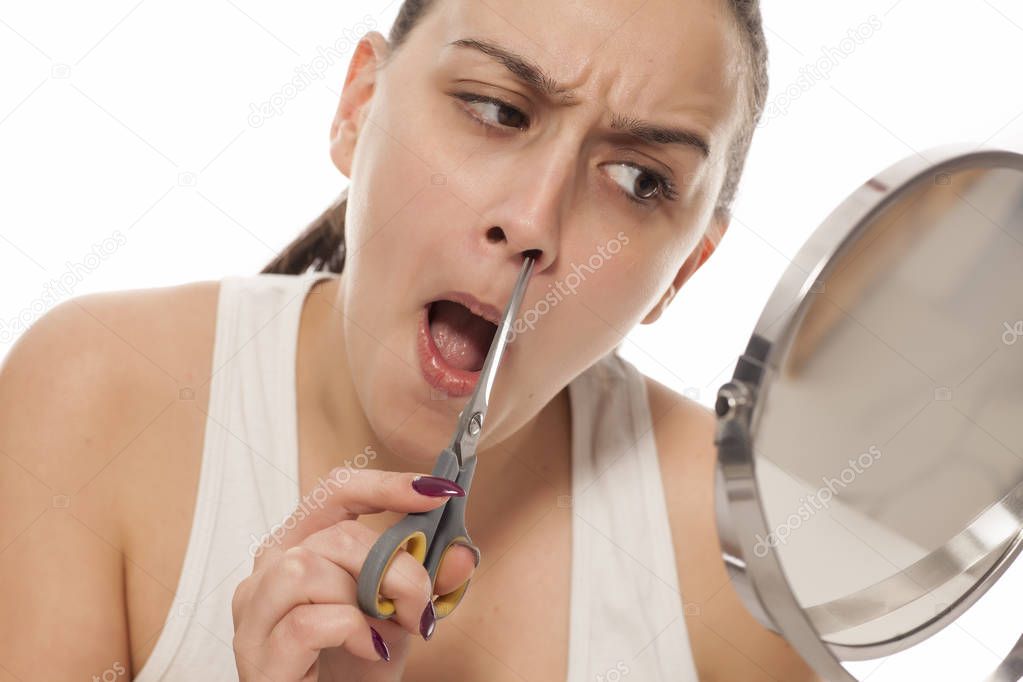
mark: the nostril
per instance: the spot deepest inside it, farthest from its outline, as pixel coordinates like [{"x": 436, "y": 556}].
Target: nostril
[{"x": 533, "y": 253}]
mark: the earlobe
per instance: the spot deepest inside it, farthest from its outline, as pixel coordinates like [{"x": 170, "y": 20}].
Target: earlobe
[
  {"x": 718, "y": 226},
  {"x": 662, "y": 305},
  {"x": 698, "y": 257}
]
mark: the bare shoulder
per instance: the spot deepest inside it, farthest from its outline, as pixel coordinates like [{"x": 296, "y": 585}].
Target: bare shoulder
[
  {"x": 92, "y": 370},
  {"x": 91, "y": 402},
  {"x": 728, "y": 642}
]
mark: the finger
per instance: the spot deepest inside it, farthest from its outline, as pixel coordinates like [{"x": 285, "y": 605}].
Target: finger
[
  {"x": 406, "y": 581},
  {"x": 301, "y": 576},
  {"x": 344, "y": 495},
  {"x": 457, "y": 565},
  {"x": 296, "y": 641}
]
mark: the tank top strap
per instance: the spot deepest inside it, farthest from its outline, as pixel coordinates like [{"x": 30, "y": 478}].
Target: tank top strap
[
  {"x": 627, "y": 614},
  {"x": 248, "y": 475},
  {"x": 261, "y": 315}
]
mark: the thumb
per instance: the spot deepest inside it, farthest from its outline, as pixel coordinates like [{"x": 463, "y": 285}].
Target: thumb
[{"x": 457, "y": 565}]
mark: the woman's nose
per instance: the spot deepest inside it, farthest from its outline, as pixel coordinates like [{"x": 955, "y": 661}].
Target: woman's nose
[
  {"x": 542, "y": 257},
  {"x": 531, "y": 209}
]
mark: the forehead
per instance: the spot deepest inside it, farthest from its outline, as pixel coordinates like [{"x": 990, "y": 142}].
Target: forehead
[{"x": 647, "y": 58}]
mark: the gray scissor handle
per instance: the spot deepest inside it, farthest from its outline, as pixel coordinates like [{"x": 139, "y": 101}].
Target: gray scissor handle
[
  {"x": 424, "y": 535},
  {"x": 450, "y": 530}
]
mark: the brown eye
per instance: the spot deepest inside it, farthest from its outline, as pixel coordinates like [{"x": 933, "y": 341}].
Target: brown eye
[
  {"x": 494, "y": 112},
  {"x": 647, "y": 189},
  {"x": 509, "y": 116},
  {"x": 638, "y": 184}
]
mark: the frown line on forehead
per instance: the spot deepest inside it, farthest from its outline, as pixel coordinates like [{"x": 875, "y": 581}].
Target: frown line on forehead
[{"x": 537, "y": 79}]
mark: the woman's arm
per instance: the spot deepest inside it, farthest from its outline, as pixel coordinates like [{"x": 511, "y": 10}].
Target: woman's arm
[
  {"x": 63, "y": 614},
  {"x": 728, "y": 642}
]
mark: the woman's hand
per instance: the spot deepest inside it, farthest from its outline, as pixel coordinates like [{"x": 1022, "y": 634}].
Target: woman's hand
[{"x": 297, "y": 612}]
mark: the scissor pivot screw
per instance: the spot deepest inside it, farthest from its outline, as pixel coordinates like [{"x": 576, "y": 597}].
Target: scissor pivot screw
[{"x": 475, "y": 424}]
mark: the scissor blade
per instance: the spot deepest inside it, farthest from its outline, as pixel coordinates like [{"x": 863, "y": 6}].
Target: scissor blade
[{"x": 470, "y": 421}]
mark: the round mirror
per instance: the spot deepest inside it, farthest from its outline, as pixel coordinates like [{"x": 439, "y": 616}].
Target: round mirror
[{"x": 870, "y": 478}]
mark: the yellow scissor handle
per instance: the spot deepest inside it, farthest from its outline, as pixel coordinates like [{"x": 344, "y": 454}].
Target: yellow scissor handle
[
  {"x": 444, "y": 604},
  {"x": 414, "y": 544}
]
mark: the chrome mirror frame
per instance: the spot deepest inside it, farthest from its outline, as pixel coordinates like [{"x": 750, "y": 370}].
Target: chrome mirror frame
[{"x": 760, "y": 580}]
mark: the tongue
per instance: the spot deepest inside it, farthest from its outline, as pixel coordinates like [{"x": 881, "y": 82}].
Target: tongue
[{"x": 462, "y": 338}]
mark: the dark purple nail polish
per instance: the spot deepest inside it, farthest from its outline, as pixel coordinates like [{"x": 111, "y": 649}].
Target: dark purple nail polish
[
  {"x": 435, "y": 486},
  {"x": 428, "y": 621},
  {"x": 379, "y": 644}
]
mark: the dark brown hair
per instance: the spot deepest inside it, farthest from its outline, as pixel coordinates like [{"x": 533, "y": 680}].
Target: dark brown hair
[{"x": 321, "y": 245}]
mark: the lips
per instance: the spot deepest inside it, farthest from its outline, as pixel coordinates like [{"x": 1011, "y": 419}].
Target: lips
[
  {"x": 454, "y": 334},
  {"x": 441, "y": 375}
]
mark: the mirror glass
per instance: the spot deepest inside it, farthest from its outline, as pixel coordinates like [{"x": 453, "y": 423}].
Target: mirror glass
[{"x": 889, "y": 450}]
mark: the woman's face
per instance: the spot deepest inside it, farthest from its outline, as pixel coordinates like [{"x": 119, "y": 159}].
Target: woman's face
[{"x": 449, "y": 188}]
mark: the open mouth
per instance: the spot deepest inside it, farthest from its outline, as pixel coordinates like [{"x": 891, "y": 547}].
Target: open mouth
[{"x": 461, "y": 337}]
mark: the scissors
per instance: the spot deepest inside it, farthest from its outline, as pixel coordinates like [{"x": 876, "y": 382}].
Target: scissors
[{"x": 428, "y": 535}]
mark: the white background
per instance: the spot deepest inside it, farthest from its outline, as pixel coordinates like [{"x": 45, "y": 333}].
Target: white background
[{"x": 129, "y": 122}]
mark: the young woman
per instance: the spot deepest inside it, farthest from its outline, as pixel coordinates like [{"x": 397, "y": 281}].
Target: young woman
[{"x": 193, "y": 475}]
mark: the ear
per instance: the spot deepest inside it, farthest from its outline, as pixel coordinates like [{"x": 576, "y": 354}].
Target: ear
[
  {"x": 715, "y": 231},
  {"x": 353, "y": 107}
]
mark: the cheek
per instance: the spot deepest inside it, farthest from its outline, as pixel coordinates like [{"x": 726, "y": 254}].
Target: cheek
[
  {"x": 386, "y": 182},
  {"x": 633, "y": 283},
  {"x": 418, "y": 133},
  {"x": 409, "y": 181},
  {"x": 598, "y": 294},
  {"x": 620, "y": 296}
]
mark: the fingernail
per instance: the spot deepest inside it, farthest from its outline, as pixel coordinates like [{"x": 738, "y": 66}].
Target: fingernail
[
  {"x": 379, "y": 644},
  {"x": 428, "y": 621},
  {"x": 435, "y": 486},
  {"x": 472, "y": 548}
]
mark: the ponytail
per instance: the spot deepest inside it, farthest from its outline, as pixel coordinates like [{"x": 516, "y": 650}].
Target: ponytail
[{"x": 321, "y": 245}]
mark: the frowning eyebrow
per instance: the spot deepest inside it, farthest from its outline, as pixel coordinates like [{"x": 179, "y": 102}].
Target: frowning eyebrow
[{"x": 541, "y": 81}]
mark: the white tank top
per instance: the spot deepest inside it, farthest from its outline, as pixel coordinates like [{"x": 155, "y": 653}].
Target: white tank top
[{"x": 627, "y": 617}]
